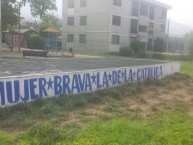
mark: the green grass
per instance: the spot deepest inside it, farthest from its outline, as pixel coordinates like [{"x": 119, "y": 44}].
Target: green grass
[
  {"x": 169, "y": 128},
  {"x": 187, "y": 68},
  {"x": 5, "y": 139},
  {"x": 43, "y": 121}
]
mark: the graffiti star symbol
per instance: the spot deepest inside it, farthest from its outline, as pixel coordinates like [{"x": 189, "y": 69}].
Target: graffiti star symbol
[
  {"x": 50, "y": 82},
  {"x": 123, "y": 74},
  {"x": 110, "y": 76},
  {"x": 93, "y": 79},
  {"x": 134, "y": 74}
]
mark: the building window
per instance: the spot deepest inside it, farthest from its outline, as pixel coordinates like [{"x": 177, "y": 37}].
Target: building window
[
  {"x": 151, "y": 12},
  {"x": 135, "y": 8},
  {"x": 133, "y": 39},
  {"x": 70, "y": 38},
  {"x": 83, "y": 3},
  {"x": 150, "y": 44},
  {"x": 163, "y": 28},
  {"x": 151, "y": 26},
  {"x": 150, "y": 31},
  {"x": 144, "y": 9},
  {"x": 83, "y": 20},
  {"x": 117, "y": 2},
  {"x": 116, "y": 20},
  {"x": 82, "y": 38},
  {"x": 163, "y": 13},
  {"x": 115, "y": 39},
  {"x": 134, "y": 24},
  {"x": 70, "y": 3},
  {"x": 70, "y": 20},
  {"x": 142, "y": 28}
]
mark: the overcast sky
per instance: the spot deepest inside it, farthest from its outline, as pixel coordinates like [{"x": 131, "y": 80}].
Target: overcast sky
[{"x": 182, "y": 10}]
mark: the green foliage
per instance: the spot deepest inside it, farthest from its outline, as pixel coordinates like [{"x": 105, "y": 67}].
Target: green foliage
[
  {"x": 167, "y": 56},
  {"x": 160, "y": 56},
  {"x": 159, "y": 45},
  {"x": 176, "y": 44},
  {"x": 190, "y": 45},
  {"x": 125, "y": 51},
  {"x": 39, "y": 7},
  {"x": 5, "y": 139},
  {"x": 10, "y": 10},
  {"x": 53, "y": 20},
  {"x": 9, "y": 15},
  {"x": 138, "y": 49},
  {"x": 35, "y": 42}
]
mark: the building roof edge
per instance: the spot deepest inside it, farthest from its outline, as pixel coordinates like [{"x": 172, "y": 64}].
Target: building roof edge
[{"x": 159, "y": 4}]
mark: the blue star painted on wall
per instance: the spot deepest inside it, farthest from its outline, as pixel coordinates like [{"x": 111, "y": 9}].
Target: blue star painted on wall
[
  {"x": 93, "y": 77},
  {"x": 110, "y": 76},
  {"x": 50, "y": 82}
]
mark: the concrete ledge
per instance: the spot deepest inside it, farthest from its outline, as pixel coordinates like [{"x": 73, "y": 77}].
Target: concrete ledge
[{"x": 17, "y": 89}]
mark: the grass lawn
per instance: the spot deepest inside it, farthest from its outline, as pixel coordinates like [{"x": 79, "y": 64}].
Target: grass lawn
[
  {"x": 144, "y": 113},
  {"x": 187, "y": 68}
]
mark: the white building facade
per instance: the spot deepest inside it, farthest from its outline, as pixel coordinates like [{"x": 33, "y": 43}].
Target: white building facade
[{"x": 107, "y": 25}]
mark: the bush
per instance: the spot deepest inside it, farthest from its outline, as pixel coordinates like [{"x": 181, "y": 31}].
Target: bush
[
  {"x": 159, "y": 45},
  {"x": 141, "y": 53},
  {"x": 35, "y": 42},
  {"x": 138, "y": 49},
  {"x": 165, "y": 56},
  {"x": 125, "y": 51},
  {"x": 159, "y": 56},
  {"x": 191, "y": 54}
]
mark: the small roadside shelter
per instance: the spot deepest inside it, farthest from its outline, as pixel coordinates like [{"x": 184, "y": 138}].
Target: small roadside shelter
[{"x": 52, "y": 40}]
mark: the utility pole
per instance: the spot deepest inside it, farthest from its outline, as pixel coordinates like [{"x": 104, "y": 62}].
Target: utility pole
[
  {"x": 168, "y": 31},
  {"x": 0, "y": 34},
  {"x": 19, "y": 3}
]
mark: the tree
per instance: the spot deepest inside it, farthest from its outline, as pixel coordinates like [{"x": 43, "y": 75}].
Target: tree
[
  {"x": 9, "y": 15},
  {"x": 40, "y": 7},
  {"x": 10, "y": 10},
  {"x": 159, "y": 45},
  {"x": 52, "y": 20},
  {"x": 190, "y": 45}
]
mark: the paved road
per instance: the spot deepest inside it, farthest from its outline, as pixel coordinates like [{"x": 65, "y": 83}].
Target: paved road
[{"x": 39, "y": 66}]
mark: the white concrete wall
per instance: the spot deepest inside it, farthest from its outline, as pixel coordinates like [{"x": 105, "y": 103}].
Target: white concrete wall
[{"x": 14, "y": 90}]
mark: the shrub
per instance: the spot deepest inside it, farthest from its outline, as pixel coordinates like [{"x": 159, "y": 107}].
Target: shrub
[
  {"x": 159, "y": 45},
  {"x": 159, "y": 56},
  {"x": 191, "y": 54},
  {"x": 35, "y": 42},
  {"x": 138, "y": 49},
  {"x": 125, "y": 51},
  {"x": 141, "y": 53}
]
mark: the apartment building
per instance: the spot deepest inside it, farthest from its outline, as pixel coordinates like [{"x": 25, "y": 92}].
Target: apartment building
[{"x": 107, "y": 25}]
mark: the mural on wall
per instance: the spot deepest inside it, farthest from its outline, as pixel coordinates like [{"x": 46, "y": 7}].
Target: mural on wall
[{"x": 15, "y": 90}]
